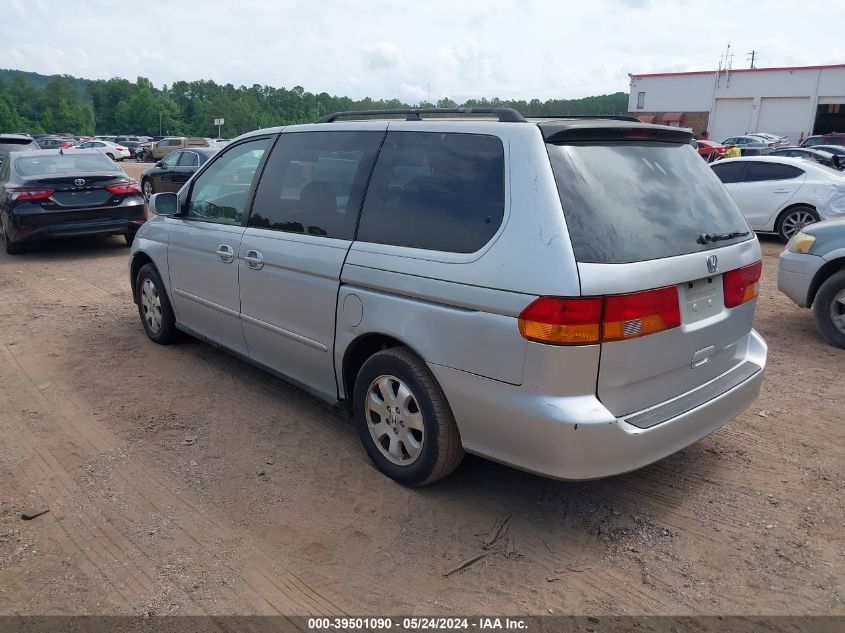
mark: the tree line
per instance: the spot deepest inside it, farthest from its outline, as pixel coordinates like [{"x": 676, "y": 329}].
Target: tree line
[{"x": 64, "y": 104}]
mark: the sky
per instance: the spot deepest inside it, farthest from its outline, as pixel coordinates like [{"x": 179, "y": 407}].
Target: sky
[{"x": 413, "y": 51}]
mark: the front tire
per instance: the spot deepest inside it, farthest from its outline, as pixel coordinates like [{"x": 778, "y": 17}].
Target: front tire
[
  {"x": 404, "y": 420},
  {"x": 154, "y": 306},
  {"x": 829, "y": 309},
  {"x": 795, "y": 219}
]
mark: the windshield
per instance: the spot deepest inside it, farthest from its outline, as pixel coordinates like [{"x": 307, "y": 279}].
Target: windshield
[
  {"x": 63, "y": 164},
  {"x": 634, "y": 202}
]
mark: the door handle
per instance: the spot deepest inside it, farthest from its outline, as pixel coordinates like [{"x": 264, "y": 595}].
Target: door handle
[
  {"x": 782, "y": 190},
  {"x": 225, "y": 253},
  {"x": 254, "y": 259}
]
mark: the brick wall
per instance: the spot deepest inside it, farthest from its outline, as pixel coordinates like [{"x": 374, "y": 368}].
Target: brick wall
[{"x": 698, "y": 121}]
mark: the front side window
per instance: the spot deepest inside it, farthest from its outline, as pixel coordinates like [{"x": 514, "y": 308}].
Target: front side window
[
  {"x": 188, "y": 159},
  {"x": 314, "y": 183},
  {"x": 729, "y": 172},
  {"x": 435, "y": 191},
  {"x": 170, "y": 160},
  {"x": 220, "y": 193}
]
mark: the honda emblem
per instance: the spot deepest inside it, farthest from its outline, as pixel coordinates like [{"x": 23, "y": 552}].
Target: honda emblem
[
  {"x": 712, "y": 263},
  {"x": 79, "y": 182}
]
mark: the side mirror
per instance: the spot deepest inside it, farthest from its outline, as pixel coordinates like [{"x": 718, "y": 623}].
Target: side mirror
[
  {"x": 166, "y": 204},
  {"x": 159, "y": 163}
]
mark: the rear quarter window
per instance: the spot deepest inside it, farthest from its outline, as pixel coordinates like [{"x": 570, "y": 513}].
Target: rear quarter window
[
  {"x": 435, "y": 191},
  {"x": 632, "y": 202}
]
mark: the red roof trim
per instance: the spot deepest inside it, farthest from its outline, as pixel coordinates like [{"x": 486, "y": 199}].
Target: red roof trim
[{"x": 737, "y": 70}]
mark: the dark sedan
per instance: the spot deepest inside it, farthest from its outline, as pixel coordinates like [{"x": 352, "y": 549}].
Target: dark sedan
[
  {"x": 829, "y": 159},
  {"x": 63, "y": 193},
  {"x": 174, "y": 170}
]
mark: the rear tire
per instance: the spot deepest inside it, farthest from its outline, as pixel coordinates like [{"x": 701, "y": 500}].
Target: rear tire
[
  {"x": 12, "y": 248},
  {"x": 829, "y": 309},
  {"x": 154, "y": 307},
  {"x": 148, "y": 189},
  {"x": 794, "y": 219},
  {"x": 129, "y": 237},
  {"x": 416, "y": 440}
]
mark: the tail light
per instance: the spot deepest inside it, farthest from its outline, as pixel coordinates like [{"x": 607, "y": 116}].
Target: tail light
[
  {"x": 124, "y": 187},
  {"x": 587, "y": 320},
  {"x": 741, "y": 285},
  {"x": 562, "y": 321},
  {"x": 23, "y": 194},
  {"x": 641, "y": 313},
  {"x": 120, "y": 149}
]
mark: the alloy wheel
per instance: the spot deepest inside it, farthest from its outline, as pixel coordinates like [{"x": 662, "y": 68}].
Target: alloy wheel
[
  {"x": 795, "y": 221},
  {"x": 394, "y": 420},
  {"x": 151, "y": 305},
  {"x": 148, "y": 189}
]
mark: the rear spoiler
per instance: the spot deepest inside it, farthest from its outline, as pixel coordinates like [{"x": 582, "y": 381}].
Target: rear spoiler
[{"x": 613, "y": 131}]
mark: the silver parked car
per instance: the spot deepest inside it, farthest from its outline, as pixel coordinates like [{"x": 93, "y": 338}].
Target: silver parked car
[
  {"x": 573, "y": 297},
  {"x": 812, "y": 274}
]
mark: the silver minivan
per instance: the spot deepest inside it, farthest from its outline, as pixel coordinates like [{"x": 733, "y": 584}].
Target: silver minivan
[{"x": 570, "y": 296}]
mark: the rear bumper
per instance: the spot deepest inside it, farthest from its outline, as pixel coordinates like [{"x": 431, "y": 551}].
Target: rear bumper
[
  {"x": 795, "y": 274},
  {"x": 577, "y": 437},
  {"x": 32, "y": 226}
]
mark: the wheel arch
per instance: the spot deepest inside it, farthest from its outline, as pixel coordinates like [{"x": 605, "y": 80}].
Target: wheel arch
[
  {"x": 791, "y": 206},
  {"x": 139, "y": 260},
  {"x": 822, "y": 275},
  {"x": 357, "y": 353}
]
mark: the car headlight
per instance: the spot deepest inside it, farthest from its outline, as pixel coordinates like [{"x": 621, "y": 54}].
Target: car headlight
[{"x": 801, "y": 243}]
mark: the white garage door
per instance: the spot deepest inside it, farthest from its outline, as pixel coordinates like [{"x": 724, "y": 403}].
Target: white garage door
[
  {"x": 731, "y": 117},
  {"x": 785, "y": 116}
]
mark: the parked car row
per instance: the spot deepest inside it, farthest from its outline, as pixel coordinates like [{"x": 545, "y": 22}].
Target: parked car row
[
  {"x": 159, "y": 149},
  {"x": 363, "y": 223}
]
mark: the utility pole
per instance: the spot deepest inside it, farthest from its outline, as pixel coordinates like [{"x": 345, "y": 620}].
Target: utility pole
[{"x": 751, "y": 57}]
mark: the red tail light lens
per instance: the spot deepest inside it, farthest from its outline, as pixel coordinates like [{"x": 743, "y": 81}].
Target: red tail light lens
[
  {"x": 741, "y": 285},
  {"x": 23, "y": 194},
  {"x": 640, "y": 132},
  {"x": 641, "y": 313},
  {"x": 124, "y": 187},
  {"x": 589, "y": 320},
  {"x": 562, "y": 321}
]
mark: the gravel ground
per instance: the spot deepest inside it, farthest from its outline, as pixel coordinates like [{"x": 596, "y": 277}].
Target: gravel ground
[{"x": 182, "y": 481}]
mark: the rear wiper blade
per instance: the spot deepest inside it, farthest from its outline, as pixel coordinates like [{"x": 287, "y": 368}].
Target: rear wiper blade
[{"x": 706, "y": 238}]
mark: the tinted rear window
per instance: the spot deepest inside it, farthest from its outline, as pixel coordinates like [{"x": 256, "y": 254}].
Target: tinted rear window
[
  {"x": 435, "y": 191},
  {"x": 69, "y": 163},
  {"x": 760, "y": 171},
  {"x": 16, "y": 145},
  {"x": 636, "y": 202}
]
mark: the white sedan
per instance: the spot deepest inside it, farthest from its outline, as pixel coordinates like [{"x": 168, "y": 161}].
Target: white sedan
[
  {"x": 112, "y": 150},
  {"x": 780, "y": 194}
]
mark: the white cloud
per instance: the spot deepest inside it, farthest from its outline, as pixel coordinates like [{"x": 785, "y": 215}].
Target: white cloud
[{"x": 384, "y": 49}]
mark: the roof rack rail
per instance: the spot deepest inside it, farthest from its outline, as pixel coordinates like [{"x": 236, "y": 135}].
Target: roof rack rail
[
  {"x": 613, "y": 117},
  {"x": 505, "y": 115}
]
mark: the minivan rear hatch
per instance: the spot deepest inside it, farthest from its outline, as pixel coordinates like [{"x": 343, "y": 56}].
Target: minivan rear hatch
[{"x": 656, "y": 234}]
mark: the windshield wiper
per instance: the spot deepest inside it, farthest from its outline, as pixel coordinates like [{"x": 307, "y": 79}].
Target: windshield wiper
[{"x": 706, "y": 238}]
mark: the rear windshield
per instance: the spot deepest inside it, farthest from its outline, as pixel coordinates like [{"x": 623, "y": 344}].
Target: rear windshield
[
  {"x": 57, "y": 164},
  {"x": 15, "y": 145},
  {"x": 636, "y": 202}
]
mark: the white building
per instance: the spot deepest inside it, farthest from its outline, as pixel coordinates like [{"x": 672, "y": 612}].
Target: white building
[{"x": 792, "y": 101}]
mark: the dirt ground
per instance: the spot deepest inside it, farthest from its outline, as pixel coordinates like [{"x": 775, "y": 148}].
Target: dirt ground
[{"x": 182, "y": 481}]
